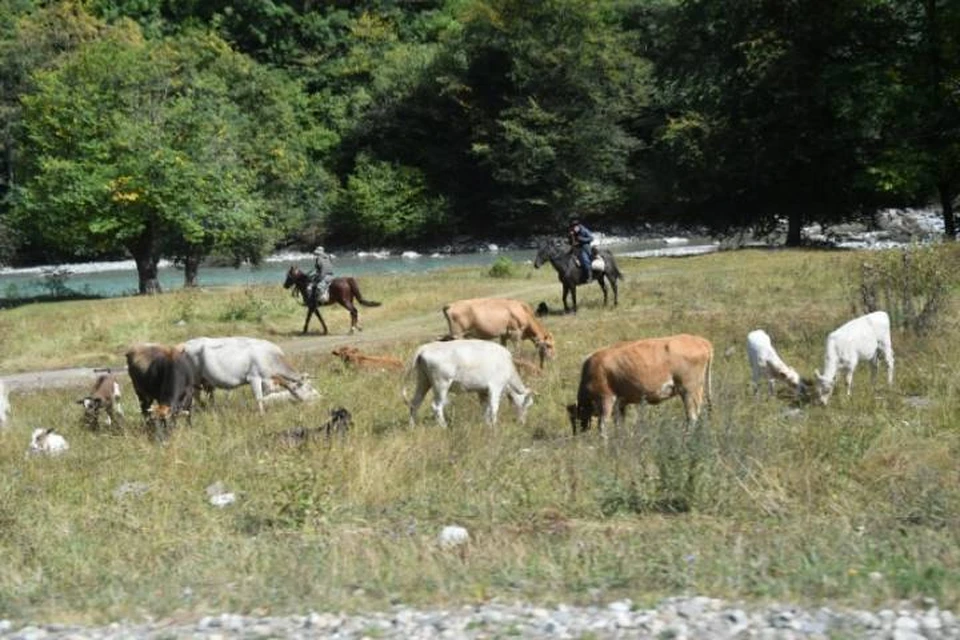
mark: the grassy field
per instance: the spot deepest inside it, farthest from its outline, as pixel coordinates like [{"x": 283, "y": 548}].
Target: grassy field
[{"x": 856, "y": 503}]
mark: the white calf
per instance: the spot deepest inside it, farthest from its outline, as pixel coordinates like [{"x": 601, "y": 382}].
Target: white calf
[
  {"x": 765, "y": 363},
  {"x": 472, "y": 365},
  {"x": 46, "y": 442},
  {"x": 863, "y": 338}
]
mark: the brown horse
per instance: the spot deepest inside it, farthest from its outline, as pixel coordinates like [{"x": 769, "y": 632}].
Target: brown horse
[{"x": 342, "y": 291}]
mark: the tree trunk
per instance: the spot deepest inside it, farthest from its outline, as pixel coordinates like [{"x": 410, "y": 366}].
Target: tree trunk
[
  {"x": 191, "y": 266},
  {"x": 949, "y": 220},
  {"x": 794, "y": 229},
  {"x": 147, "y": 268},
  {"x": 147, "y": 259}
]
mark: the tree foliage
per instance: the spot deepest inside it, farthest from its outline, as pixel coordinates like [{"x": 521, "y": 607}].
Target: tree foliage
[
  {"x": 175, "y": 147},
  {"x": 173, "y": 129}
]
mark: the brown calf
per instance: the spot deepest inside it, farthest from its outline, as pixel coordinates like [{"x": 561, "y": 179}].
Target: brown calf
[
  {"x": 105, "y": 396},
  {"x": 649, "y": 371},
  {"x": 353, "y": 357}
]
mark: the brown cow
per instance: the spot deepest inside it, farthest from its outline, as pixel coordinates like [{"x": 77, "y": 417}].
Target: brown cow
[
  {"x": 352, "y": 356},
  {"x": 487, "y": 318},
  {"x": 649, "y": 371}
]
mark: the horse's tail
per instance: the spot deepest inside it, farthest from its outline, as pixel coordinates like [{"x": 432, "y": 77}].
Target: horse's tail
[
  {"x": 355, "y": 288},
  {"x": 613, "y": 271}
]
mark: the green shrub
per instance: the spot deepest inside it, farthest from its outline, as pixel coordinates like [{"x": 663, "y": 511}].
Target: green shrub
[
  {"x": 910, "y": 284},
  {"x": 503, "y": 267}
]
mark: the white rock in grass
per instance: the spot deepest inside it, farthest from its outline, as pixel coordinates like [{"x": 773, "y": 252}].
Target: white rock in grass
[
  {"x": 453, "y": 536},
  {"x": 223, "y": 499}
]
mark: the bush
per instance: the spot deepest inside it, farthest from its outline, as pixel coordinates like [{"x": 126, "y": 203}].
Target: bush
[
  {"x": 503, "y": 267},
  {"x": 910, "y": 284}
]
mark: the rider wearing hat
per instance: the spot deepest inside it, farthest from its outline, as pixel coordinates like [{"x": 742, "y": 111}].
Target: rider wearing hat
[
  {"x": 323, "y": 271},
  {"x": 580, "y": 239}
]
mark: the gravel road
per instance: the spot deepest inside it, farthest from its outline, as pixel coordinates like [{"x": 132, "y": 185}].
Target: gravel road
[{"x": 691, "y": 618}]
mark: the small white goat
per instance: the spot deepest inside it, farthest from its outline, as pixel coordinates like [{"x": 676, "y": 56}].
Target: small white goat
[
  {"x": 46, "y": 442},
  {"x": 4, "y": 405},
  {"x": 765, "y": 363},
  {"x": 863, "y": 338}
]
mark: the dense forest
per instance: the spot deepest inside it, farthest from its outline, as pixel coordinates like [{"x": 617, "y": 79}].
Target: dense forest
[{"x": 183, "y": 130}]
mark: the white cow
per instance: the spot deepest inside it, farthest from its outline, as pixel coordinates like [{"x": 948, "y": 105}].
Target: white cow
[
  {"x": 471, "y": 365},
  {"x": 227, "y": 363},
  {"x": 765, "y": 363},
  {"x": 46, "y": 442},
  {"x": 863, "y": 338},
  {"x": 4, "y": 405}
]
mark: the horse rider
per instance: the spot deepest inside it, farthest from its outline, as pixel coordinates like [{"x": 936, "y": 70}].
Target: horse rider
[
  {"x": 580, "y": 239},
  {"x": 322, "y": 275}
]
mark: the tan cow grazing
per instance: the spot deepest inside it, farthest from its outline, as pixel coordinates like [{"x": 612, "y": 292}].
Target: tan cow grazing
[
  {"x": 352, "y": 356},
  {"x": 488, "y": 318},
  {"x": 651, "y": 371}
]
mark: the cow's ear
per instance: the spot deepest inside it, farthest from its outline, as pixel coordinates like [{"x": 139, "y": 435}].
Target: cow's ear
[{"x": 48, "y": 431}]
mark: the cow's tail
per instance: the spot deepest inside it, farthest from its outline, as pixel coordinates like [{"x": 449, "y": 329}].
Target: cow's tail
[
  {"x": 407, "y": 374},
  {"x": 708, "y": 379},
  {"x": 355, "y": 288}
]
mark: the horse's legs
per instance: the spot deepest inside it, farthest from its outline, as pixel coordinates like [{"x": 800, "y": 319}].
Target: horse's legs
[
  {"x": 316, "y": 311},
  {"x": 613, "y": 285},
  {"x": 566, "y": 293},
  {"x": 306, "y": 322},
  {"x": 603, "y": 286},
  {"x": 573, "y": 296},
  {"x": 354, "y": 315}
]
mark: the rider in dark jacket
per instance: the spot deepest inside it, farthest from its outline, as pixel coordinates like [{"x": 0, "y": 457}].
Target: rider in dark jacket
[{"x": 580, "y": 239}]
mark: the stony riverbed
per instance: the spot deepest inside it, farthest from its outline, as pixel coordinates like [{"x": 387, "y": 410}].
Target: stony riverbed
[{"x": 674, "y": 618}]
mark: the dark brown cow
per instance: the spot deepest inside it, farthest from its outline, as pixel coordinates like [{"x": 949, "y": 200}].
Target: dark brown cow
[
  {"x": 649, "y": 371},
  {"x": 161, "y": 374}
]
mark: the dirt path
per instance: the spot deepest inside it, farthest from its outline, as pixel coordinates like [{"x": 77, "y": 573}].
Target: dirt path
[{"x": 424, "y": 327}]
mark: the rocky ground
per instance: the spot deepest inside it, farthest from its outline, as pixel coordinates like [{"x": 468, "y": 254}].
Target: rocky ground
[{"x": 676, "y": 618}]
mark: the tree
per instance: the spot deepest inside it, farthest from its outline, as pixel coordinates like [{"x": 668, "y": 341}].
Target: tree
[
  {"x": 771, "y": 108},
  {"x": 922, "y": 131},
  {"x": 161, "y": 148}
]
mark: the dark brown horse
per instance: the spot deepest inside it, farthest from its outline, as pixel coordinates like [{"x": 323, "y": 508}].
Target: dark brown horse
[{"x": 342, "y": 291}]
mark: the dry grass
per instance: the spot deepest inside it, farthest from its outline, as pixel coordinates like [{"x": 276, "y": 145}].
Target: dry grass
[{"x": 855, "y": 503}]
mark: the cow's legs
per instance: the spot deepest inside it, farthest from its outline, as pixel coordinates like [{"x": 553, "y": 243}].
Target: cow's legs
[
  {"x": 440, "y": 392},
  {"x": 422, "y": 386},
  {"x": 256, "y": 385},
  {"x": 606, "y": 412},
  {"x": 887, "y": 350},
  {"x": 848, "y": 376},
  {"x": 493, "y": 405}
]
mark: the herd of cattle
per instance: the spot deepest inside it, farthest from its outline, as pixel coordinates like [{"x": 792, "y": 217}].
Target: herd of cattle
[{"x": 167, "y": 379}]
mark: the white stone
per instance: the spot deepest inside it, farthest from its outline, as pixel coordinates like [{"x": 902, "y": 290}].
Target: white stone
[{"x": 453, "y": 536}]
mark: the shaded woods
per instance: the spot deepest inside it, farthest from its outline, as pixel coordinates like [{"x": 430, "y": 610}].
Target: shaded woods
[{"x": 214, "y": 130}]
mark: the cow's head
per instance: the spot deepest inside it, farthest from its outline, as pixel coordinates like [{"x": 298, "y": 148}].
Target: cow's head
[
  {"x": 579, "y": 415},
  {"x": 546, "y": 348},
  {"x": 92, "y": 403}
]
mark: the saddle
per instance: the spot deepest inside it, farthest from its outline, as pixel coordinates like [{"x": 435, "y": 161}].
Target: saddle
[{"x": 322, "y": 294}]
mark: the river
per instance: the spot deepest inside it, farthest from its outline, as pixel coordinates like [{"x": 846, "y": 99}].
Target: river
[{"x": 111, "y": 279}]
